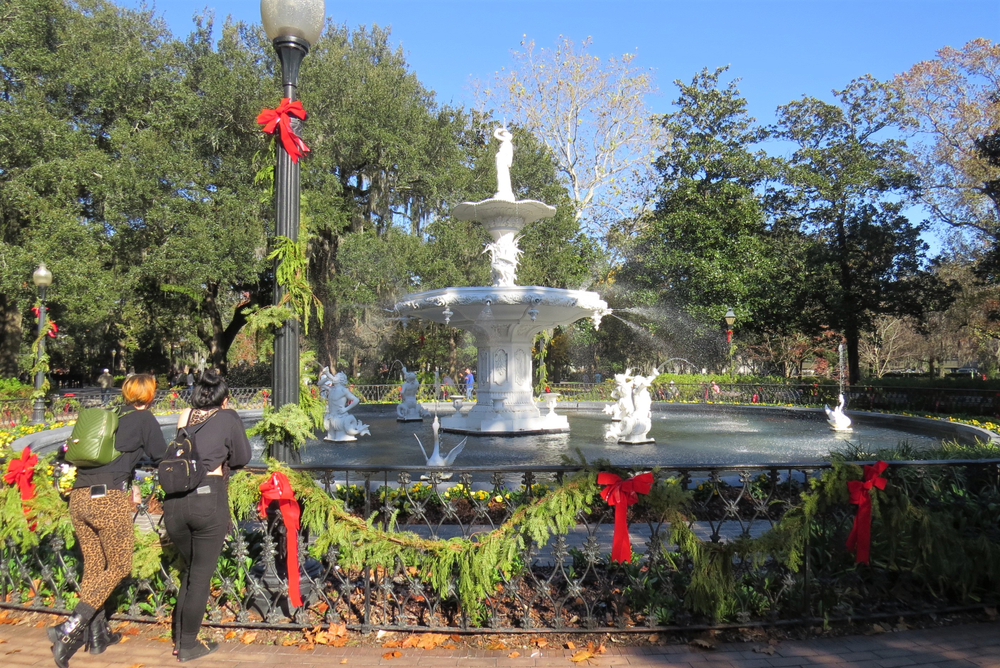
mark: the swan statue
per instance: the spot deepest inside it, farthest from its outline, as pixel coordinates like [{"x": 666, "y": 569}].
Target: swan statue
[
  {"x": 436, "y": 459},
  {"x": 836, "y": 418}
]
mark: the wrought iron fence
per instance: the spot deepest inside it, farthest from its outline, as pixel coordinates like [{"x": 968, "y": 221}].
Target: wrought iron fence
[{"x": 569, "y": 583}]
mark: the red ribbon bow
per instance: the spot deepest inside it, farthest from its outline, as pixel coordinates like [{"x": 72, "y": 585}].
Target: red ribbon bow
[
  {"x": 273, "y": 118},
  {"x": 20, "y": 472},
  {"x": 55, "y": 328},
  {"x": 621, "y": 494},
  {"x": 277, "y": 488},
  {"x": 861, "y": 494}
]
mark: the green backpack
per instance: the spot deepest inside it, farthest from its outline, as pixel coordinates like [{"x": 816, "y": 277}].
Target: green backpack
[{"x": 92, "y": 442}]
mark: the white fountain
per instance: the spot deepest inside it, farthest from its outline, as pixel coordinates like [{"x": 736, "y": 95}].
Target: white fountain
[{"x": 505, "y": 317}]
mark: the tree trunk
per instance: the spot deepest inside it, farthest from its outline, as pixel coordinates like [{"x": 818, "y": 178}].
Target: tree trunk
[{"x": 10, "y": 336}]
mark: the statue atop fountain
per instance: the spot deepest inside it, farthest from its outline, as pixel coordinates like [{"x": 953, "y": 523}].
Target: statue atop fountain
[
  {"x": 408, "y": 410},
  {"x": 636, "y": 413},
  {"x": 504, "y": 317},
  {"x": 341, "y": 426}
]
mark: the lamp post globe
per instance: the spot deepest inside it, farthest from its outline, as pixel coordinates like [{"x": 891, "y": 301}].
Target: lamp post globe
[
  {"x": 42, "y": 278},
  {"x": 292, "y": 26}
]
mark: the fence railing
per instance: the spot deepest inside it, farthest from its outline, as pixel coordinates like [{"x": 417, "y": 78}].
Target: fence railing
[
  {"x": 568, "y": 583},
  {"x": 859, "y": 397}
]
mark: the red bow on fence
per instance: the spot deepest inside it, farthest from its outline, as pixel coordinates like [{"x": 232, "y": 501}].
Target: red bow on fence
[
  {"x": 20, "y": 472},
  {"x": 55, "y": 328},
  {"x": 277, "y": 488},
  {"x": 282, "y": 116},
  {"x": 861, "y": 494},
  {"x": 621, "y": 494}
]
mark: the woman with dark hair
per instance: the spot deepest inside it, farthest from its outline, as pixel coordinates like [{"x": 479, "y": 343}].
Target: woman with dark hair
[
  {"x": 100, "y": 508},
  {"x": 198, "y": 521}
]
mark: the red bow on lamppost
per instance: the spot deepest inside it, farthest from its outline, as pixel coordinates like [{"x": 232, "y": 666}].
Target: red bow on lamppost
[
  {"x": 621, "y": 494},
  {"x": 271, "y": 119},
  {"x": 55, "y": 328},
  {"x": 277, "y": 488},
  {"x": 861, "y": 494}
]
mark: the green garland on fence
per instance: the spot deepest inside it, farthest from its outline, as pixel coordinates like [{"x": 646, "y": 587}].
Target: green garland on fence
[{"x": 925, "y": 534}]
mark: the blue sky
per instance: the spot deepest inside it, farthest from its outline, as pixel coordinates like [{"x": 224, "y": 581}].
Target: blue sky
[{"x": 781, "y": 49}]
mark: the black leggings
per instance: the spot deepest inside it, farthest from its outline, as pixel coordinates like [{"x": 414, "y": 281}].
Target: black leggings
[{"x": 197, "y": 524}]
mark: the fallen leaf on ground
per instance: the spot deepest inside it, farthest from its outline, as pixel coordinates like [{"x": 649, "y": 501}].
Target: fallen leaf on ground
[
  {"x": 431, "y": 640},
  {"x": 307, "y": 646},
  {"x": 764, "y": 649},
  {"x": 653, "y": 638},
  {"x": 129, "y": 631},
  {"x": 596, "y": 649},
  {"x": 337, "y": 630},
  {"x": 495, "y": 645},
  {"x": 513, "y": 655},
  {"x": 2, "y": 641},
  {"x": 392, "y": 655},
  {"x": 991, "y": 614},
  {"x": 570, "y": 644},
  {"x": 164, "y": 639},
  {"x": 704, "y": 643},
  {"x": 41, "y": 625},
  {"x": 455, "y": 637},
  {"x": 288, "y": 642},
  {"x": 392, "y": 643},
  {"x": 449, "y": 645},
  {"x": 540, "y": 642},
  {"x": 878, "y": 628},
  {"x": 582, "y": 655},
  {"x": 248, "y": 638},
  {"x": 136, "y": 665},
  {"x": 773, "y": 641},
  {"x": 343, "y": 660},
  {"x": 13, "y": 651},
  {"x": 230, "y": 635}
]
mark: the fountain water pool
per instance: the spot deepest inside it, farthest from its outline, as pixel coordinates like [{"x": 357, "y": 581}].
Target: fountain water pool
[{"x": 685, "y": 435}]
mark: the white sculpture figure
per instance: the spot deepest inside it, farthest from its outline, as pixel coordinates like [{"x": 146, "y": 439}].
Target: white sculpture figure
[
  {"x": 636, "y": 413},
  {"x": 340, "y": 425},
  {"x": 623, "y": 395},
  {"x": 436, "y": 459},
  {"x": 505, "y": 158},
  {"x": 408, "y": 410},
  {"x": 836, "y": 417},
  {"x": 504, "y": 256}
]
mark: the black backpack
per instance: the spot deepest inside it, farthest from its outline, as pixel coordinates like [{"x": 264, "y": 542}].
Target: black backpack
[{"x": 179, "y": 471}]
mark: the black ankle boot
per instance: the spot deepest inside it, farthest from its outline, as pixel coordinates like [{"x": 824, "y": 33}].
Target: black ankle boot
[
  {"x": 100, "y": 635},
  {"x": 69, "y": 636}
]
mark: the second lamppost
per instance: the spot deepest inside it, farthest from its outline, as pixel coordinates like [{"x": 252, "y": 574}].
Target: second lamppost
[
  {"x": 292, "y": 26},
  {"x": 730, "y": 318},
  {"x": 42, "y": 278}
]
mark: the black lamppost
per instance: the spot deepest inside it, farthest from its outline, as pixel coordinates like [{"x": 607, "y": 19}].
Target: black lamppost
[
  {"x": 730, "y": 318},
  {"x": 292, "y": 26},
  {"x": 42, "y": 278}
]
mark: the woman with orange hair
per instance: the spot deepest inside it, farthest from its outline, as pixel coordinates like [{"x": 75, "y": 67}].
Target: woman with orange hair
[{"x": 100, "y": 508}]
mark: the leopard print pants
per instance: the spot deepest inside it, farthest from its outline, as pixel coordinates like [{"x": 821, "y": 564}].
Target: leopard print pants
[{"x": 104, "y": 528}]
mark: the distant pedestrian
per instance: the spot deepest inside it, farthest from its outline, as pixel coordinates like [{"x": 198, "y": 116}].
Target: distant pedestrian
[
  {"x": 105, "y": 381},
  {"x": 470, "y": 383}
]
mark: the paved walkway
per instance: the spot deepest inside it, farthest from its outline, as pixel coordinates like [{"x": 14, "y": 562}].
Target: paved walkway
[{"x": 967, "y": 645}]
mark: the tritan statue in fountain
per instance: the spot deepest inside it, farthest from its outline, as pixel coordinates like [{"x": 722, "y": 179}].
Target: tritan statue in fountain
[
  {"x": 504, "y": 317},
  {"x": 408, "y": 409},
  {"x": 622, "y": 395},
  {"x": 636, "y": 414},
  {"x": 341, "y": 426}
]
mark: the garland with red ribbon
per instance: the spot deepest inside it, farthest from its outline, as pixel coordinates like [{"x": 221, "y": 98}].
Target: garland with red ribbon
[
  {"x": 621, "y": 494},
  {"x": 277, "y": 488},
  {"x": 861, "y": 495},
  {"x": 281, "y": 117},
  {"x": 20, "y": 472},
  {"x": 54, "y": 329}
]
